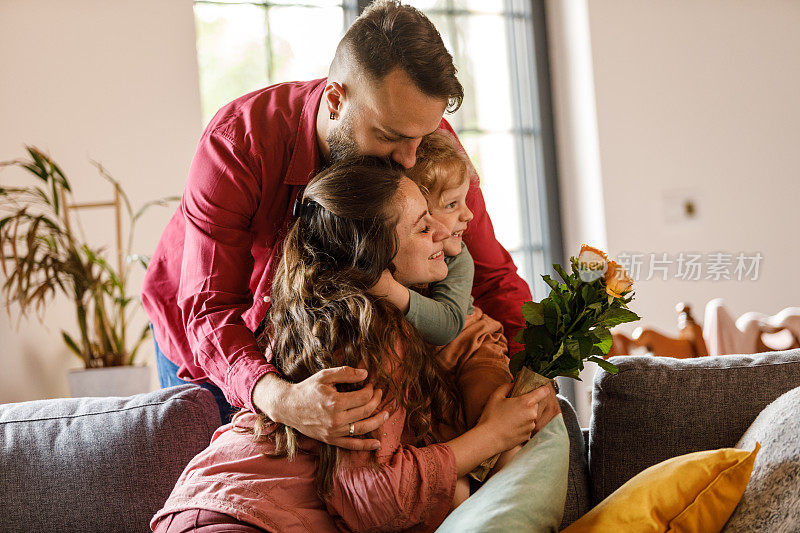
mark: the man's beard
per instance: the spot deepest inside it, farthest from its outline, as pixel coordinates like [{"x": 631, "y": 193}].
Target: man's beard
[{"x": 340, "y": 141}]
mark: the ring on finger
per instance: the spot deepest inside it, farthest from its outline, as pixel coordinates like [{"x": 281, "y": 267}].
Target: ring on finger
[{"x": 352, "y": 429}]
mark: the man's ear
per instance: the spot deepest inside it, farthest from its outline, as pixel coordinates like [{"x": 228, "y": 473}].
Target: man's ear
[{"x": 334, "y": 98}]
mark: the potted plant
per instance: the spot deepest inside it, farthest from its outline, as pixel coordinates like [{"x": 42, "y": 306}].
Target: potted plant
[{"x": 42, "y": 254}]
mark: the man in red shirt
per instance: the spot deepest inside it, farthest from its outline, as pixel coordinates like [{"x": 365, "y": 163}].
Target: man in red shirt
[{"x": 207, "y": 287}]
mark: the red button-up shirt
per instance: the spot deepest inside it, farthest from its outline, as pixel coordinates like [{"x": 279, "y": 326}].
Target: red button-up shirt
[{"x": 207, "y": 286}]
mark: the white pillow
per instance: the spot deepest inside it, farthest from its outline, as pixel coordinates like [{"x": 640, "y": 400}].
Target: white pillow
[{"x": 528, "y": 494}]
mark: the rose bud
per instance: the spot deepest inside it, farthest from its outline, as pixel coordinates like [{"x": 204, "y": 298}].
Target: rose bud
[
  {"x": 592, "y": 263},
  {"x": 617, "y": 280}
]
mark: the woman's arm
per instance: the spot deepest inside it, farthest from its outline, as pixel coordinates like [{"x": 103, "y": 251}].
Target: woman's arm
[
  {"x": 403, "y": 487},
  {"x": 407, "y": 486}
]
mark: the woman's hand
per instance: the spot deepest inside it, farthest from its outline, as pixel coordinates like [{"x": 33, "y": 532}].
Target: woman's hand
[
  {"x": 504, "y": 424},
  {"x": 549, "y": 408},
  {"x": 512, "y": 420}
]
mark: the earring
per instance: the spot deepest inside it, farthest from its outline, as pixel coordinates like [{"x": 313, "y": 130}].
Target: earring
[{"x": 333, "y": 115}]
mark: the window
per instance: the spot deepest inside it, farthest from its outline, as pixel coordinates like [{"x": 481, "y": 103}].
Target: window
[{"x": 500, "y": 52}]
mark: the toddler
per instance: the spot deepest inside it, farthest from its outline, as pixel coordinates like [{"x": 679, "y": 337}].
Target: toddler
[{"x": 471, "y": 343}]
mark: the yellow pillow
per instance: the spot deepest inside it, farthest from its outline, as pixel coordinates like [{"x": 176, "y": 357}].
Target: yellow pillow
[{"x": 696, "y": 492}]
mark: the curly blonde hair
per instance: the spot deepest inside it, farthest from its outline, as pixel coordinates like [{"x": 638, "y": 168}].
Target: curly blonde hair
[{"x": 440, "y": 166}]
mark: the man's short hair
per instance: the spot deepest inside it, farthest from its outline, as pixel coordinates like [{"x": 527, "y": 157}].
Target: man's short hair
[{"x": 388, "y": 35}]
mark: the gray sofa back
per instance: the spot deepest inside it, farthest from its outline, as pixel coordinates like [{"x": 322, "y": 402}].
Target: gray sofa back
[
  {"x": 578, "y": 501},
  {"x": 660, "y": 407},
  {"x": 98, "y": 464}
]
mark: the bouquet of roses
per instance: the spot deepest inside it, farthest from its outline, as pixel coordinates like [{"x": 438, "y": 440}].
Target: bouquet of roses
[{"x": 571, "y": 325}]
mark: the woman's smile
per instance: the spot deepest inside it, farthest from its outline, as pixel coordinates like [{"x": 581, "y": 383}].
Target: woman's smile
[{"x": 420, "y": 239}]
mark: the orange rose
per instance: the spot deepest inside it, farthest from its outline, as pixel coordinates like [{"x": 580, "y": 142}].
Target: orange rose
[
  {"x": 617, "y": 280},
  {"x": 592, "y": 263}
]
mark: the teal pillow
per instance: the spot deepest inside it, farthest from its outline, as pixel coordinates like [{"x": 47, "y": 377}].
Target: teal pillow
[{"x": 527, "y": 495}]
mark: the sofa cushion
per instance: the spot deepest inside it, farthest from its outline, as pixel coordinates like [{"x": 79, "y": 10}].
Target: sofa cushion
[
  {"x": 662, "y": 407},
  {"x": 98, "y": 464},
  {"x": 771, "y": 501},
  {"x": 527, "y": 494},
  {"x": 578, "y": 501},
  {"x": 693, "y": 492}
]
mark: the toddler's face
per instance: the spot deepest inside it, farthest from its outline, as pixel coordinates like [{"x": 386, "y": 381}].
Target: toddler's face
[{"x": 451, "y": 210}]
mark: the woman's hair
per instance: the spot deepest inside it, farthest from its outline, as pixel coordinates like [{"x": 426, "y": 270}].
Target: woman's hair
[
  {"x": 440, "y": 166},
  {"x": 323, "y": 316}
]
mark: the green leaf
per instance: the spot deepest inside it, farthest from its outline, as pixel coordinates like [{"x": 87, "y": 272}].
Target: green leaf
[
  {"x": 71, "y": 344},
  {"x": 142, "y": 337},
  {"x": 560, "y": 301},
  {"x": 605, "y": 365},
  {"x": 551, "y": 316},
  {"x": 560, "y": 270},
  {"x": 516, "y": 362},
  {"x": 604, "y": 339},
  {"x": 586, "y": 344},
  {"x": 537, "y": 341},
  {"x": 559, "y": 352},
  {"x": 552, "y": 283},
  {"x": 572, "y": 344},
  {"x": 573, "y": 373},
  {"x": 533, "y": 313},
  {"x": 162, "y": 202},
  {"x": 520, "y": 336},
  {"x": 616, "y": 316}
]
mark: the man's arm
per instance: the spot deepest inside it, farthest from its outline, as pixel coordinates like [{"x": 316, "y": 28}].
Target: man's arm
[
  {"x": 219, "y": 200},
  {"x": 497, "y": 289}
]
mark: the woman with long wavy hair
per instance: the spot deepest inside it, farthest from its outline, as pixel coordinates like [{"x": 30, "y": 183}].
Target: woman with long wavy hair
[{"x": 357, "y": 218}]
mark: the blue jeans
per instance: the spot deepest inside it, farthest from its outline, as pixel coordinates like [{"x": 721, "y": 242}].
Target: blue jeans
[{"x": 168, "y": 377}]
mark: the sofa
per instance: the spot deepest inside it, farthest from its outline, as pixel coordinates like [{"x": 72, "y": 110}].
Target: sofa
[{"x": 107, "y": 464}]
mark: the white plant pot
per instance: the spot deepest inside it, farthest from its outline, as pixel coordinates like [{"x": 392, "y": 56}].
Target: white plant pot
[{"x": 111, "y": 381}]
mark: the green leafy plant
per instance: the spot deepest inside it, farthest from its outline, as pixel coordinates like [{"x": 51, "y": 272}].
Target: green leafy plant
[
  {"x": 572, "y": 325},
  {"x": 43, "y": 255}
]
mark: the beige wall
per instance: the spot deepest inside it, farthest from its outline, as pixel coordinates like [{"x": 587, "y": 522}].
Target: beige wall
[
  {"x": 660, "y": 99},
  {"x": 111, "y": 81},
  {"x": 701, "y": 98}
]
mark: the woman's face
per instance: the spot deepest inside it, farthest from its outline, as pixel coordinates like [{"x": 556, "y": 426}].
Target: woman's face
[{"x": 420, "y": 239}]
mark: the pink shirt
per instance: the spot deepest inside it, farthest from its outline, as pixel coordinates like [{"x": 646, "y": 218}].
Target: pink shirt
[
  {"x": 207, "y": 286},
  {"x": 411, "y": 489}
]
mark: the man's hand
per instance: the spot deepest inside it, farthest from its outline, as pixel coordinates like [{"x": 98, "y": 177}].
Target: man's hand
[{"x": 316, "y": 409}]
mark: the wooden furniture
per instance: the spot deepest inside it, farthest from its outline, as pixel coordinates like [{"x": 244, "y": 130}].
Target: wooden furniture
[
  {"x": 689, "y": 342},
  {"x": 720, "y": 335}
]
